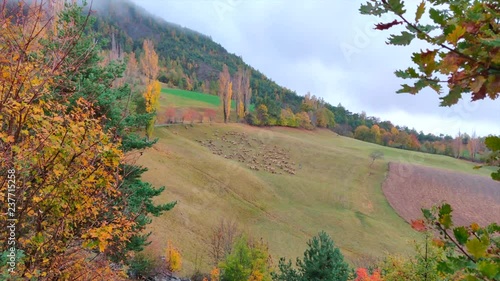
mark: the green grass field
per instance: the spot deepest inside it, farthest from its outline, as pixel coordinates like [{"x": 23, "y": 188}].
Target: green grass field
[
  {"x": 183, "y": 98},
  {"x": 334, "y": 189}
]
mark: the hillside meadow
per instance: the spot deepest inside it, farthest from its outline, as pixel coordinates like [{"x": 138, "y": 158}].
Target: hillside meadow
[{"x": 332, "y": 188}]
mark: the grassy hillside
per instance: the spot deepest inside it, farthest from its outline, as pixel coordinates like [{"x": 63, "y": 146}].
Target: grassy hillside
[{"x": 333, "y": 189}]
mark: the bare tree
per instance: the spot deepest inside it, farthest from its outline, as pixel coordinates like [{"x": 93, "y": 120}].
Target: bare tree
[
  {"x": 238, "y": 94},
  {"x": 376, "y": 155},
  {"x": 246, "y": 90},
  {"x": 222, "y": 239},
  {"x": 473, "y": 146}
]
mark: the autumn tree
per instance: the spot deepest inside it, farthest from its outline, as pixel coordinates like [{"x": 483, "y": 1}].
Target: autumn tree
[
  {"x": 173, "y": 258},
  {"x": 222, "y": 239},
  {"x": 210, "y": 114},
  {"x": 376, "y": 134},
  {"x": 303, "y": 120},
  {"x": 151, "y": 97},
  {"x": 247, "y": 261},
  {"x": 324, "y": 118},
  {"x": 363, "y": 133},
  {"x": 363, "y": 275},
  {"x": 214, "y": 275},
  {"x": 225, "y": 92},
  {"x": 170, "y": 115},
  {"x": 287, "y": 118},
  {"x": 149, "y": 61},
  {"x": 262, "y": 115},
  {"x": 402, "y": 140},
  {"x": 77, "y": 204},
  {"x": 150, "y": 69}
]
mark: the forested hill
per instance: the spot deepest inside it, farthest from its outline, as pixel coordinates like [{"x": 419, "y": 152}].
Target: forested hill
[{"x": 192, "y": 60}]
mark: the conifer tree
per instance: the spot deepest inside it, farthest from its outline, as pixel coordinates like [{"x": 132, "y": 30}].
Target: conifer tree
[{"x": 321, "y": 261}]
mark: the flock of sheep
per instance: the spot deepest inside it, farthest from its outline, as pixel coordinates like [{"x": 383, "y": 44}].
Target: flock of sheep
[{"x": 256, "y": 154}]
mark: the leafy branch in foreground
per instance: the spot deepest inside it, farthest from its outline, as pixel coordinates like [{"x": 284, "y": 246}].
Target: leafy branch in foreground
[
  {"x": 472, "y": 252},
  {"x": 465, "y": 41}
]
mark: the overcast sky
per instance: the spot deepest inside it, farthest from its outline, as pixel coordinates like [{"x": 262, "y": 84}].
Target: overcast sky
[{"x": 327, "y": 48}]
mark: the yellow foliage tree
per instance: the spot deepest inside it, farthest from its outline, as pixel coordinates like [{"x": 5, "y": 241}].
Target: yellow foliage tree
[
  {"x": 241, "y": 109},
  {"x": 225, "y": 92},
  {"x": 174, "y": 259},
  {"x": 150, "y": 69},
  {"x": 303, "y": 120},
  {"x": 152, "y": 97},
  {"x": 65, "y": 166}
]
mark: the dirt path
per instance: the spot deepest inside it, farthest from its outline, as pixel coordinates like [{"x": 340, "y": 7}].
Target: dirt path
[{"x": 408, "y": 188}]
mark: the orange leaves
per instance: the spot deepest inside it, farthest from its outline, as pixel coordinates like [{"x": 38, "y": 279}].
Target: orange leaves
[
  {"x": 215, "y": 274},
  {"x": 474, "y": 227},
  {"x": 149, "y": 61},
  {"x": 100, "y": 235},
  {"x": 418, "y": 225},
  {"x": 450, "y": 63},
  {"x": 152, "y": 97},
  {"x": 438, "y": 242},
  {"x": 363, "y": 275}
]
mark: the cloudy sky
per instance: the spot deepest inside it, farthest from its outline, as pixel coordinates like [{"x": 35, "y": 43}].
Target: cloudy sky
[{"x": 327, "y": 48}]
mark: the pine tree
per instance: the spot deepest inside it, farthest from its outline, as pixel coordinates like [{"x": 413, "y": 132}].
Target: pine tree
[{"x": 322, "y": 261}]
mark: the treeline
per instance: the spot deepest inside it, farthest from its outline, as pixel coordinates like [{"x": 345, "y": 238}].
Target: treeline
[
  {"x": 463, "y": 146},
  {"x": 311, "y": 113}
]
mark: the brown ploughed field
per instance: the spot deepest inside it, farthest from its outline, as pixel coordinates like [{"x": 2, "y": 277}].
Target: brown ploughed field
[{"x": 408, "y": 188}]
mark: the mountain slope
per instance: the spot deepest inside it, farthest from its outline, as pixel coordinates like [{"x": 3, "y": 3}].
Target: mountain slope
[{"x": 200, "y": 58}]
